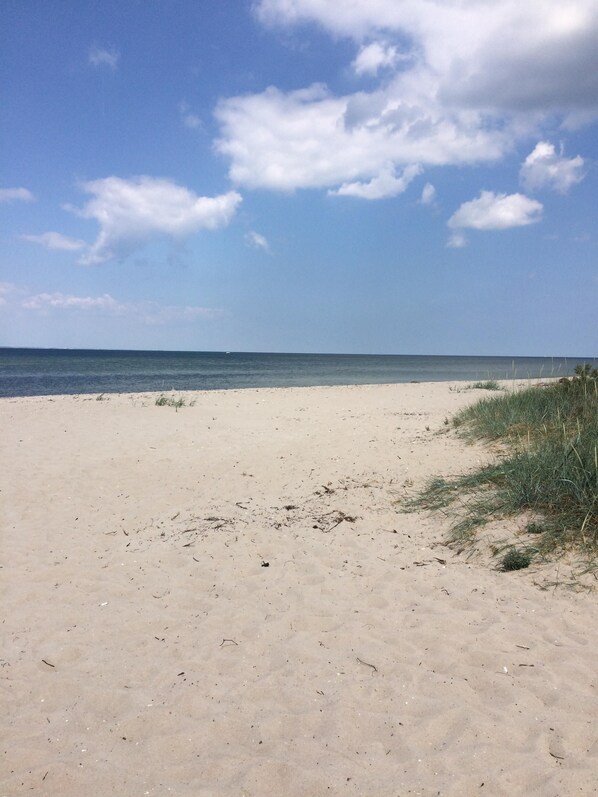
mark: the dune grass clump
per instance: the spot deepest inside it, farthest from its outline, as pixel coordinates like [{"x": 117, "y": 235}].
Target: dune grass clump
[
  {"x": 170, "y": 401},
  {"x": 515, "y": 560},
  {"x": 535, "y": 411},
  {"x": 547, "y": 466},
  {"x": 489, "y": 384}
]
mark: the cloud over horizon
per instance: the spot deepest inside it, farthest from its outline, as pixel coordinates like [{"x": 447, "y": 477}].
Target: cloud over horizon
[
  {"x": 145, "y": 311},
  {"x": 132, "y": 212}
]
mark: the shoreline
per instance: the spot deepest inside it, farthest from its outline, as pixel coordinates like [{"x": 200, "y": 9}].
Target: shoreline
[
  {"x": 458, "y": 385},
  {"x": 226, "y": 600}
]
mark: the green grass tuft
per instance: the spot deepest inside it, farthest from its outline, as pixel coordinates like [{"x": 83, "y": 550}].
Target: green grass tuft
[
  {"x": 170, "y": 401},
  {"x": 515, "y": 560},
  {"x": 490, "y": 384}
]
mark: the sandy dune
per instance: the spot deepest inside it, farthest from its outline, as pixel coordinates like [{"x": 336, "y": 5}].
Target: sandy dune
[{"x": 226, "y": 600}]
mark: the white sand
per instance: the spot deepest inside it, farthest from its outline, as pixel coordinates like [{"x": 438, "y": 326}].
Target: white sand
[{"x": 146, "y": 650}]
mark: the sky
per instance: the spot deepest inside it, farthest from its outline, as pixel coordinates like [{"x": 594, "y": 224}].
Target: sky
[{"x": 371, "y": 176}]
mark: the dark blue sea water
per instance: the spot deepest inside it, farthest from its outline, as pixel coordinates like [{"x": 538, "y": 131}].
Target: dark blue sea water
[{"x": 35, "y": 372}]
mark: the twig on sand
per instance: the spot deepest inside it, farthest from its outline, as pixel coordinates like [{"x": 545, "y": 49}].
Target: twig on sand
[
  {"x": 340, "y": 516},
  {"x": 232, "y": 641},
  {"x": 373, "y": 666}
]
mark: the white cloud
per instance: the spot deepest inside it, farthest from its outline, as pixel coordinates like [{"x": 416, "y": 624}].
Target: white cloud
[
  {"x": 188, "y": 118},
  {"x": 456, "y": 241},
  {"x": 62, "y": 301},
  {"x": 373, "y": 57},
  {"x": 385, "y": 184},
  {"x": 147, "y": 312},
  {"x": 310, "y": 139},
  {"x": 463, "y": 83},
  {"x": 492, "y": 211},
  {"x": 428, "y": 196},
  {"x": 100, "y": 56},
  {"x": 16, "y": 195},
  {"x": 7, "y": 289},
  {"x": 540, "y": 55},
  {"x": 55, "y": 240},
  {"x": 543, "y": 168},
  {"x": 257, "y": 241},
  {"x": 132, "y": 212}
]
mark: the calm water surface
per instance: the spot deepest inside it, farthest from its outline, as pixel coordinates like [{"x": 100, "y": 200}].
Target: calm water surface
[{"x": 35, "y": 372}]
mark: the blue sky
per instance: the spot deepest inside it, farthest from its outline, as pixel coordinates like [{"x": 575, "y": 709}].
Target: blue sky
[{"x": 376, "y": 176}]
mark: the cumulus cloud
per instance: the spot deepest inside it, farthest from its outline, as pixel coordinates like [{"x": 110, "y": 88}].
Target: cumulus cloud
[
  {"x": 540, "y": 55},
  {"x": 373, "y": 57},
  {"x": 492, "y": 211},
  {"x": 132, "y": 212},
  {"x": 463, "y": 83},
  {"x": 147, "y": 312},
  {"x": 543, "y": 168},
  {"x": 100, "y": 56},
  {"x": 257, "y": 241},
  {"x": 386, "y": 184},
  {"x": 55, "y": 240},
  {"x": 428, "y": 196},
  {"x": 311, "y": 139},
  {"x": 16, "y": 195}
]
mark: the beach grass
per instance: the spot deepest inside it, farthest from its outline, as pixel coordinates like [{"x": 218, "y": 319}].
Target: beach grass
[
  {"x": 489, "y": 384},
  {"x": 546, "y": 468},
  {"x": 171, "y": 401}
]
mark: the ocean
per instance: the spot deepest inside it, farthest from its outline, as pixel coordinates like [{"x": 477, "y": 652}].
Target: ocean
[{"x": 38, "y": 372}]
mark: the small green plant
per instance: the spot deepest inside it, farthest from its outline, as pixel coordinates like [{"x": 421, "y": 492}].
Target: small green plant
[
  {"x": 170, "y": 401},
  {"x": 490, "y": 384},
  {"x": 515, "y": 560}
]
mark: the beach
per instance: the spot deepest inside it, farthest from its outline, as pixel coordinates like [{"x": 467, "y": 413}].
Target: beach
[{"x": 226, "y": 598}]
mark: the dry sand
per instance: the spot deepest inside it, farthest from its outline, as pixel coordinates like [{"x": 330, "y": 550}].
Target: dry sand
[{"x": 225, "y": 600}]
